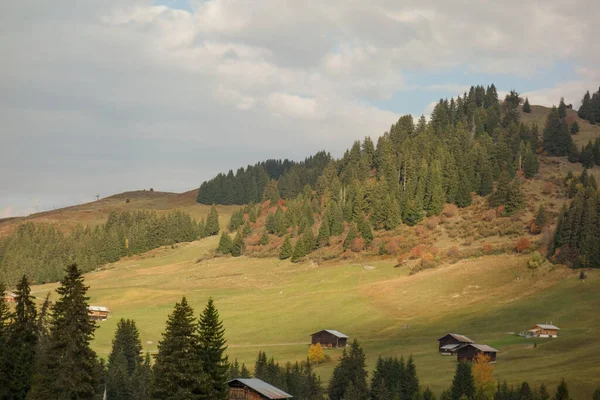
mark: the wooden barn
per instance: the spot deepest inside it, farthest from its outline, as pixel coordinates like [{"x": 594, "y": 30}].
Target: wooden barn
[
  {"x": 254, "y": 389},
  {"x": 450, "y": 343},
  {"x": 9, "y": 297},
  {"x": 543, "y": 331},
  {"x": 468, "y": 352},
  {"x": 98, "y": 313},
  {"x": 329, "y": 338}
]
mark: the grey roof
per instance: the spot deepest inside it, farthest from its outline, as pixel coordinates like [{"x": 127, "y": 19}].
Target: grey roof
[
  {"x": 262, "y": 387},
  {"x": 547, "y": 326},
  {"x": 98, "y": 308},
  {"x": 450, "y": 346},
  {"x": 334, "y": 333},
  {"x": 460, "y": 338},
  {"x": 483, "y": 347}
]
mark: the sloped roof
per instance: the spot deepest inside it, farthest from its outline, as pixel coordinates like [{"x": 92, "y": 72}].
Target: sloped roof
[
  {"x": 98, "y": 308},
  {"x": 547, "y": 326},
  {"x": 262, "y": 387},
  {"x": 482, "y": 347},
  {"x": 334, "y": 333},
  {"x": 460, "y": 338}
]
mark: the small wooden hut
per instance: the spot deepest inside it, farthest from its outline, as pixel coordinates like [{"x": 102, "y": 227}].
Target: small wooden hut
[
  {"x": 468, "y": 352},
  {"x": 543, "y": 331},
  {"x": 254, "y": 389},
  {"x": 450, "y": 343},
  {"x": 329, "y": 338},
  {"x": 98, "y": 313}
]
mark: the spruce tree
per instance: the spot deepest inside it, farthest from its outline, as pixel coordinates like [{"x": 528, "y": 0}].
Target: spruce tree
[
  {"x": 540, "y": 217},
  {"x": 225, "y": 244},
  {"x": 212, "y": 346},
  {"x": 352, "y": 234},
  {"x": 364, "y": 228},
  {"x": 526, "y": 106},
  {"x": 143, "y": 379},
  {"x": 486, "y": 184},
  {"x": 562, "y": 391},
  {"x": 410, "y": 381},
  {"x": 69, "y": 369},
  {"x": 531, "y": 164},
  {"x": 5, "y": 316},
  {"x": 124, "y": 361},
  {"x": 463, "y": 384},
  {"x": 435, "y": 196},
  {"x": 264, "y": 239},
  {"x": 336, "y": 219},
  {"x": 22, "y": 341},
  {"x": 178, "y": 370},
  {"x": 515, "y": 200},
  {"x": 212, "y": 222},
  {"x": 574, "y": 128},
  {"x": 463, "y": 195},
  {"x": 324, "y": 233},
  {"x": 350, "y": 375},
  {"x": 238, "y": 246},
  {"x": 286, "y": 250},
  {"x": 596, "y": 395}
]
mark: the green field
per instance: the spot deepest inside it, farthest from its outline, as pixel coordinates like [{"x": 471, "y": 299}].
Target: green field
[{"x": 274, "y": 306}]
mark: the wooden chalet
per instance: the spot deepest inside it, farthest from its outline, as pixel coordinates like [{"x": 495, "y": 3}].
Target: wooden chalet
[
  {"x": 254, "y": 389},
  {"x": 9, "y": 297},
  {"x": 544, "y": 331},
  {"x": 329, "y": 338},
  {"x": 98, "y": 313},
  {"x": 469, "y": 351},
  {"x": 450, "y": 343}
]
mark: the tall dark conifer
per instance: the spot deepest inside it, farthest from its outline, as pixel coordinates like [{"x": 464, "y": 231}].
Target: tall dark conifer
[
  {"x": 69, "y": 369},
  {"x": 212, "y": 346},
  {"x": 463, "y": 384},
  {"x": 123, "y": 380},
  {"x": 212, "y": 222},
  {"x": 178, "y": 370},
  {"x": 5, "y": 316}
]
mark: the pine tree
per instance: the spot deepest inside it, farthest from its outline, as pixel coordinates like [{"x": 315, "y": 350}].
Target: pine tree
[
  {"x": 143, "y": 378},
  {"x": 352, "y": 234},
  {"x": 364, "y": 228},
  {"x": 531, "y": 164},
  {"x": 264, "y": 239},
  {"x": 515, "y": 200},
  {"x": 463, "y": 384},
  {"x": 562, "y": 392},
  {"x": 324, "y": 233},
  {"x": 238, "y": 246},
  {"x": 69, "y": 369},
  {"x": 336, "y": 219},
  {"x": 350, "y": 375},
  {"x": 22, "y": 341},
  {"x": 562, "y": 108},
  {"x": 541, "y": 218},
  {"x": 596, "y": 395},
  {"x": 124, "y": 361},
  {"x": 574, "y": 128},
  {"x": 463, "y": 195},
  {"x": 225, "y": 244},
  {"x": 434, "y": 192},
  {"x": 5, "y": 316},
  {"x": 286, "y": 250},
  {"x": 178, "y": 370},
  {"x": 410, "y": 382},
  {"x": 212, "y": 222},
  {"x": 486, "y": 184},
  {"x": 526, "y": 106},
  {"x": 212, "y": 346},
  {"x": 542, "y": 393},
  {"x": 244, "y": 372}
]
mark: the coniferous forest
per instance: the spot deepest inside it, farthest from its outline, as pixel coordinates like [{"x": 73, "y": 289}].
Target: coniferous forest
[
  {"x": 41, "y": 251},
  {"x": 46, "y": 354}
]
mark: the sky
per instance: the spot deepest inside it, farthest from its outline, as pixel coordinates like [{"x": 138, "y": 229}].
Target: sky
[{"x": 98, "y": 97}]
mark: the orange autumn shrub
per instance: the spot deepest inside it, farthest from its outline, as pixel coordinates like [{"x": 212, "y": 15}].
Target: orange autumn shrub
[{"x": 522, "y": 245}]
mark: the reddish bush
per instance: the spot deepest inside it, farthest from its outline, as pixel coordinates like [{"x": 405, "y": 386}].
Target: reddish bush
[
  {"x": 418, "y": 251},
  {"x": 487, "y": 248},
  {"x": 500, "y": 211},
  {"x": 392, "y": 247},
  {"x": 450, "y": 210},
  {"x": 534, "y": 229},
  {"x": 453, "y": 252},
  {"x": 403, "y": 258},
  {"x": 357, "y": 245},
  {"x": 419, "y": 230},
  {"x": 548, "y": 188},
  {"x": 522, "y": 245},
  {"x": 432, "y": 223}
]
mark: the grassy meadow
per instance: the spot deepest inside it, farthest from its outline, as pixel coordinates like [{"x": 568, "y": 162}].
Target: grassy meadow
[{"x": 274, "y": 306}]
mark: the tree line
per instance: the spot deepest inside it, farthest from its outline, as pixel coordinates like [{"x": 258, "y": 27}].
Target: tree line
[
  {"x": 590, "y": 107},
  {"x": 46, "y": 354},
  {"x": 41, "y": 251}
]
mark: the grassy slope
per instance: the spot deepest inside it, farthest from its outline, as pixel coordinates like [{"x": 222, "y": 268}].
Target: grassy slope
[{"x": 273, "y": 305}]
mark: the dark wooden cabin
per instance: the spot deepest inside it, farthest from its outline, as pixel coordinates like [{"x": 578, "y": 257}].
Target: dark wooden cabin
[
  {"x": 329, "y": 338},
  {"x": 254, "y": 389},
  {"x": 469, "y": 351},
  {"x": 451, "y": 342}
]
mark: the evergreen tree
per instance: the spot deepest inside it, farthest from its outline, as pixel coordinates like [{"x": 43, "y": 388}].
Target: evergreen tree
[
  {"x": 238, "y": 245},
  {"x": 596, "y": 395},
  {"x": 463, "y": 195},
  {"x": 69, "y": 369},
  {"x": 562, "y": 108},
  {"x": 324, "y": 233},
  {"x": 574, "y": 128},
  {"x": 428, "y": 394},
  {"x": 364, "y": 228},
  {"x": 515, "y": 200},
  {"x": 212, "y": 346},
  {"x": 225, "y": 244},
  {"x": 143, "y": 379},
  {"x": 212, "y": 222},
  {"x": 542, "y": 393},
  {"x": 486, "y": 184},
  {"x": 286, "y": 250},
  {"x": 562, "y": 392},
  {"x": 124, "y": 362},
  {"x": 526, "y": 106},
  {"x": 463, "y": 384},
  {"x": 531, "y": 164},
  {"x": 178, "y": 370},
  {"x": 409, "y": 386},
  {"x": 336, "y": 219},
  {"x": 5, "y": 316},
  {"x": 244, "y": 373},
  {"x": 22, "y": 341},
  {"x": 586, "y": 156},
  {"x": 352, "y": 234},
  {"x": 264, "y": 239},
  {"x": 540, "y": 217},
  {"x": 434, "y": 192},
  {"x": 350, "y": 375}
]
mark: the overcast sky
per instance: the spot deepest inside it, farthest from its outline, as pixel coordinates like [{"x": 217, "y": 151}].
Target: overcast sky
[{"x": 104, "y": 96}]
